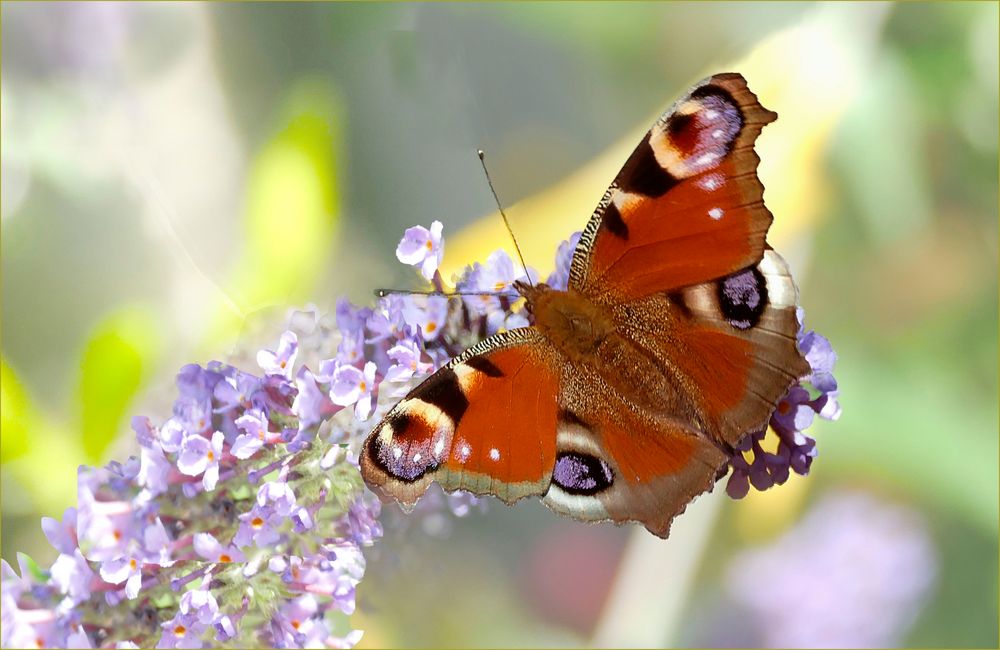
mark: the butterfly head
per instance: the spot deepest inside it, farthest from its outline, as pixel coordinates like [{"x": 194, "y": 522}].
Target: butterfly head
[
  {"x": 567, "y": 318},
  {"x": 532, "y": 293}
]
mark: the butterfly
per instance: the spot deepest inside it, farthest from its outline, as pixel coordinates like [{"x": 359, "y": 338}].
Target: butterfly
[{"x": 675, "y": 338}]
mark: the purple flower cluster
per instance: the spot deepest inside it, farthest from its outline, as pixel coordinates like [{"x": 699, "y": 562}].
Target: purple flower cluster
[
  {"x": 816, "y": 394},
  {"x": 853, "y": 573},
  {"x": 233, "y": 512}
]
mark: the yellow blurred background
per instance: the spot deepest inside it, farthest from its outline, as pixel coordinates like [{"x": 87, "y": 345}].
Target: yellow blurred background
[{"x": 175, "y": 176}]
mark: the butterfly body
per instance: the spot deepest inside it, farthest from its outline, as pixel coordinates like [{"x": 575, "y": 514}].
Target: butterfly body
[
  {"x": 674, "y": 339},
  {"x": 607, "y": 343},
  {"x": 573, "y": 324}
]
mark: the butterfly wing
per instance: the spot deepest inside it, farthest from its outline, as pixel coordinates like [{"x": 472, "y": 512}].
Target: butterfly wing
[
  {"x": 484, "y": 423},
  {"x": 502, "y": 419},
  {"x": 615, "y": 462},
  {"x": 687, "y": 206},
  {"x": 736, "y": 338},
  {"x": 676, "y": 249},
  {"x": 676, "y": 255}
]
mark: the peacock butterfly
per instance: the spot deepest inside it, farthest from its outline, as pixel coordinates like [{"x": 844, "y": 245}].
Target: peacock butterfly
[{"x": 674, "y": 340}]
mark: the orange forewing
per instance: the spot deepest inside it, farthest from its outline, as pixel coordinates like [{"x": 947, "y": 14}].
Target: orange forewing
[
  {"x": 508, "y": 445},
  {"x": 665, "y": 233},
  {"x": 459, "y": 429},
  {"x": 687, "y": 206}
]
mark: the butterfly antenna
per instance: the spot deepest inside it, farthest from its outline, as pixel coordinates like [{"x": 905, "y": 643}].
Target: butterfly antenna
[
  {"x": 383, "y": 293},
  {"x": 506, "y": 223}
]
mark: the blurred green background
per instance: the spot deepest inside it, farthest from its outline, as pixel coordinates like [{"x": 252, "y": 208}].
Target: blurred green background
[{"x": 177, "y": 175}]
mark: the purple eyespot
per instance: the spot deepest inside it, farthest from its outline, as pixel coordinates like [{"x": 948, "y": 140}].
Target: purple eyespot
[
  {"x": 743, "y": 297},
  {"x": 581, "y": 474}
]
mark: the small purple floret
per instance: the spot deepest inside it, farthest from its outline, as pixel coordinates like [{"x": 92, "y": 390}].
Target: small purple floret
[
  {"x": 559, "y": 279},
  {"x": 422, "y": 247}
]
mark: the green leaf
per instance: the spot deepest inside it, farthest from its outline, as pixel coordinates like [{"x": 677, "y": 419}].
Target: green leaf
[
  {"x": 115, "y": 361},
  {"x": 33, "y": 445},
  {"x": 32, "y": 567},
  {"x": 292, "y": 201},
  {"x": 15, "y": 414}
]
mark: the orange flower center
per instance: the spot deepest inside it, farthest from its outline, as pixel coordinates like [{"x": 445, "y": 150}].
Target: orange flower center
[
  {"x": 431, "y": 327},
  {"x": 225, "y": 558},
  {"x": 257, "y": 522},
  {"x": 180, "y": 630}
]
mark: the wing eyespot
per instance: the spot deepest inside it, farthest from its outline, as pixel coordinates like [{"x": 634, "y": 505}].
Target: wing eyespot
[
  {"x": 743, "y": 298},
  {"x": 391, "y": 457},
  {"x": 583, "y": 474}
]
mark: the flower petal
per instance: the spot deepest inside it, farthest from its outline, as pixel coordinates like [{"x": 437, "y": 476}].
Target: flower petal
[{"x": 211, "y": 477}]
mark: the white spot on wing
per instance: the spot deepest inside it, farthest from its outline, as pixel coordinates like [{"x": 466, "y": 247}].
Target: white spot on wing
[
  {"x": 417, "y": 457},
  {"x": 438, "y": 447},
  {"x": 715, "y": 213},
  {"x": 711, "y": 182},
  {"x": 706, "y": 159},
  {"x": 494, "y": 454},
  {"x": 464, "y": 451},
  {"x": 717, "y": 133},
  {"x": 397, "y": 452},
  {"x": 711, "y": 114}
]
